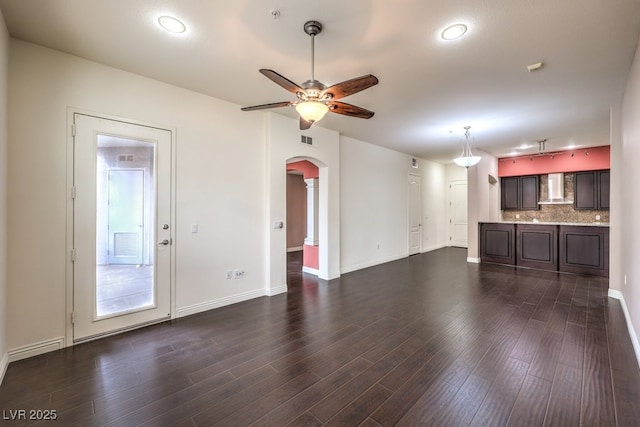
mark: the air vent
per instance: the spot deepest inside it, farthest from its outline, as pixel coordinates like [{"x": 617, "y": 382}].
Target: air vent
[{"x": 306, "y": 140}]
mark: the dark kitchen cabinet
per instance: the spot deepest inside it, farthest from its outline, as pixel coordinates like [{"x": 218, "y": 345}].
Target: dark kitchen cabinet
[
  {"x": 537, "y": 246},
  {"x": 519, "y": 192},
  {"x": 509, "y": 193},
  {"x": 529, "y": 190},
  {"x": 584, "y": 250},
  {"x": 497, "y": 243},
  {"x": 603, "y": 189},
  {"x": 591, "y": 190},
  {"x": 573, "y": 249}
]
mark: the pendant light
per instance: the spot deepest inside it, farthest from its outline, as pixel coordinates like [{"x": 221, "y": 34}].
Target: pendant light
[{"x": 467, "y": 158}]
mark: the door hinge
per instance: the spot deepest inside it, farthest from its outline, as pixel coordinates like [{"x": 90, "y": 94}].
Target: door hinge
[
  {"x": 73, "y": 129},
  {"x": 73, "y": 193},
  {"x": 73, "y": 255},
  {"x": 73, "y": 317}
]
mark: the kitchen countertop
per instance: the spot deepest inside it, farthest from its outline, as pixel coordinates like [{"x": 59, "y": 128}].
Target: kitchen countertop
[{"x": 582, "y": 224}]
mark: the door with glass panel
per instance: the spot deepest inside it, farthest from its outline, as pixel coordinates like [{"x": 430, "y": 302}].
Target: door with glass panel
[{"x": 122, "y": 237}]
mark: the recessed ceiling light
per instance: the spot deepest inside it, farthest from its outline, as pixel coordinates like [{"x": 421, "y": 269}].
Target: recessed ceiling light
[
  {"x": 454, "y": 31},
  {"x": 171, "y": 24}
]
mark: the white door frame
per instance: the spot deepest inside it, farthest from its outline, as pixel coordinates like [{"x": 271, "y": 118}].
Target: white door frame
[{"x": 71, "y": 111}]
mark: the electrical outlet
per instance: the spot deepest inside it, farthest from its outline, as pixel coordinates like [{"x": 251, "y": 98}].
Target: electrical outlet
[
  {"x": 238, "y": 274},
  {"x": 597, "y": 217}
]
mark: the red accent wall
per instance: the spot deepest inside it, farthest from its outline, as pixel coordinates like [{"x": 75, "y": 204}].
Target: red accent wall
[
  {"x": 580, "y": 159},
  {"x": 308, "y": 169},
  {"x": 310, "y": 256}
]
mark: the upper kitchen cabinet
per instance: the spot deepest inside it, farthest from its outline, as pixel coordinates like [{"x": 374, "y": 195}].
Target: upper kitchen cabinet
[
  {"x": 519, "y": 192},
  {"x": 591, "y": 190}
]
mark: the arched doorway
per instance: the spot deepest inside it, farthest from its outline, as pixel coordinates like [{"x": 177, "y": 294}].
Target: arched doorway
[
  {"x": 284, "y": 146},
  {"x": 302, "y": 216}
]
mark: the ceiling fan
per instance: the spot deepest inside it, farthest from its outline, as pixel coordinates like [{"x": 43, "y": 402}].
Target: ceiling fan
[{"x": 314, "y": 98}]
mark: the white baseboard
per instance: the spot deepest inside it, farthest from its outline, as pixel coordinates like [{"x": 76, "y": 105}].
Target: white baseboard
[
  {"x": 275, "y": 290},
  {"x": 296, "y": 249},
  {"x": 217, "y": 303},
  {"x": 632, "y": 333},
  {"x": 371, "y": 263},
  {"x": 4, "y": 362},
  {"x": 310, "y": 270},
  {"x": 35, "y": 349},
  {"x": 473, "y": 260},
  {"x": 330, "y": 276}
]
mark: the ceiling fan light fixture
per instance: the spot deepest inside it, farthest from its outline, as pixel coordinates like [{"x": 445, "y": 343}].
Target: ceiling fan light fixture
[
  {"x": 453, "y": 32},
  {"x": 171, "y": 24},
  {"x": 312, "y": 111}
]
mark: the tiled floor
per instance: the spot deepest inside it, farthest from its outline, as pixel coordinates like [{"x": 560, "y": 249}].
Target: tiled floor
[{"x": 123, "y": 288}]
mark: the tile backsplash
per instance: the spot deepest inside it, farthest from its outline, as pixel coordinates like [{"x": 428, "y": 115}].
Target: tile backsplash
[{"x": 555, "y": 212}]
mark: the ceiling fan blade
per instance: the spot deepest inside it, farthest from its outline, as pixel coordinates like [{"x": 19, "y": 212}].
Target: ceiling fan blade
[
  {"x": 265, "y": 106},
  {"x": 304, "y": 125},
  {"x": 282, "y": 81},
  {"x": 349, "y": 87},
  {"x": 349, "y": 110}
]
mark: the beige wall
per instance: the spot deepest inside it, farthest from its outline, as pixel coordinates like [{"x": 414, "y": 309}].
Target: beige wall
[
  {"x": 283, "y": 145},
  {"x": 4, "y": 57},
  {"x": 296, "y": 211},
  {"x": 213, "y": 137},
  {"x": 374, "y": 214},
  {"x": 630, "y": 203},
  {"x": 483, "y": 199}
]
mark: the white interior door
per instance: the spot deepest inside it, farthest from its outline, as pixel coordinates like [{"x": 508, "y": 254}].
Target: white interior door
[
  {"x": 458, "y": 221},
  {"x": 415, "y": 214},
  {"x": 121, "y": 268}
]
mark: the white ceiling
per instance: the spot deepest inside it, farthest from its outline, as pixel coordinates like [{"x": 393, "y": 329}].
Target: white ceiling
[{"x": 429, "y": 89}]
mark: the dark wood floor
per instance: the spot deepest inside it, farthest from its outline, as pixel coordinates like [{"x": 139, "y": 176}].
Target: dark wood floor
[{"x": 427, "y": 340}]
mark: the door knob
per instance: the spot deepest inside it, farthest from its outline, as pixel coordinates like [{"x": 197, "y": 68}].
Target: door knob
[{"x": 164, "y": 242}]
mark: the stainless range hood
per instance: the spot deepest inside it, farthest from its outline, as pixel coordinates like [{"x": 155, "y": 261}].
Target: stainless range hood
[{"x": 555, "y": 190}]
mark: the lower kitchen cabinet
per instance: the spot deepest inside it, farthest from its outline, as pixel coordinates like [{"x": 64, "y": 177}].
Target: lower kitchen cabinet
[
  {"x": 584, "y": 250},
  {"x": 497, "y": 243},
  {"x": 563, "y": 248},
  {"x": 537, "y": 246}
]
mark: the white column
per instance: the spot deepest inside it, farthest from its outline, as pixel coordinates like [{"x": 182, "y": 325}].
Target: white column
[{"x": 312, "y": 212}]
